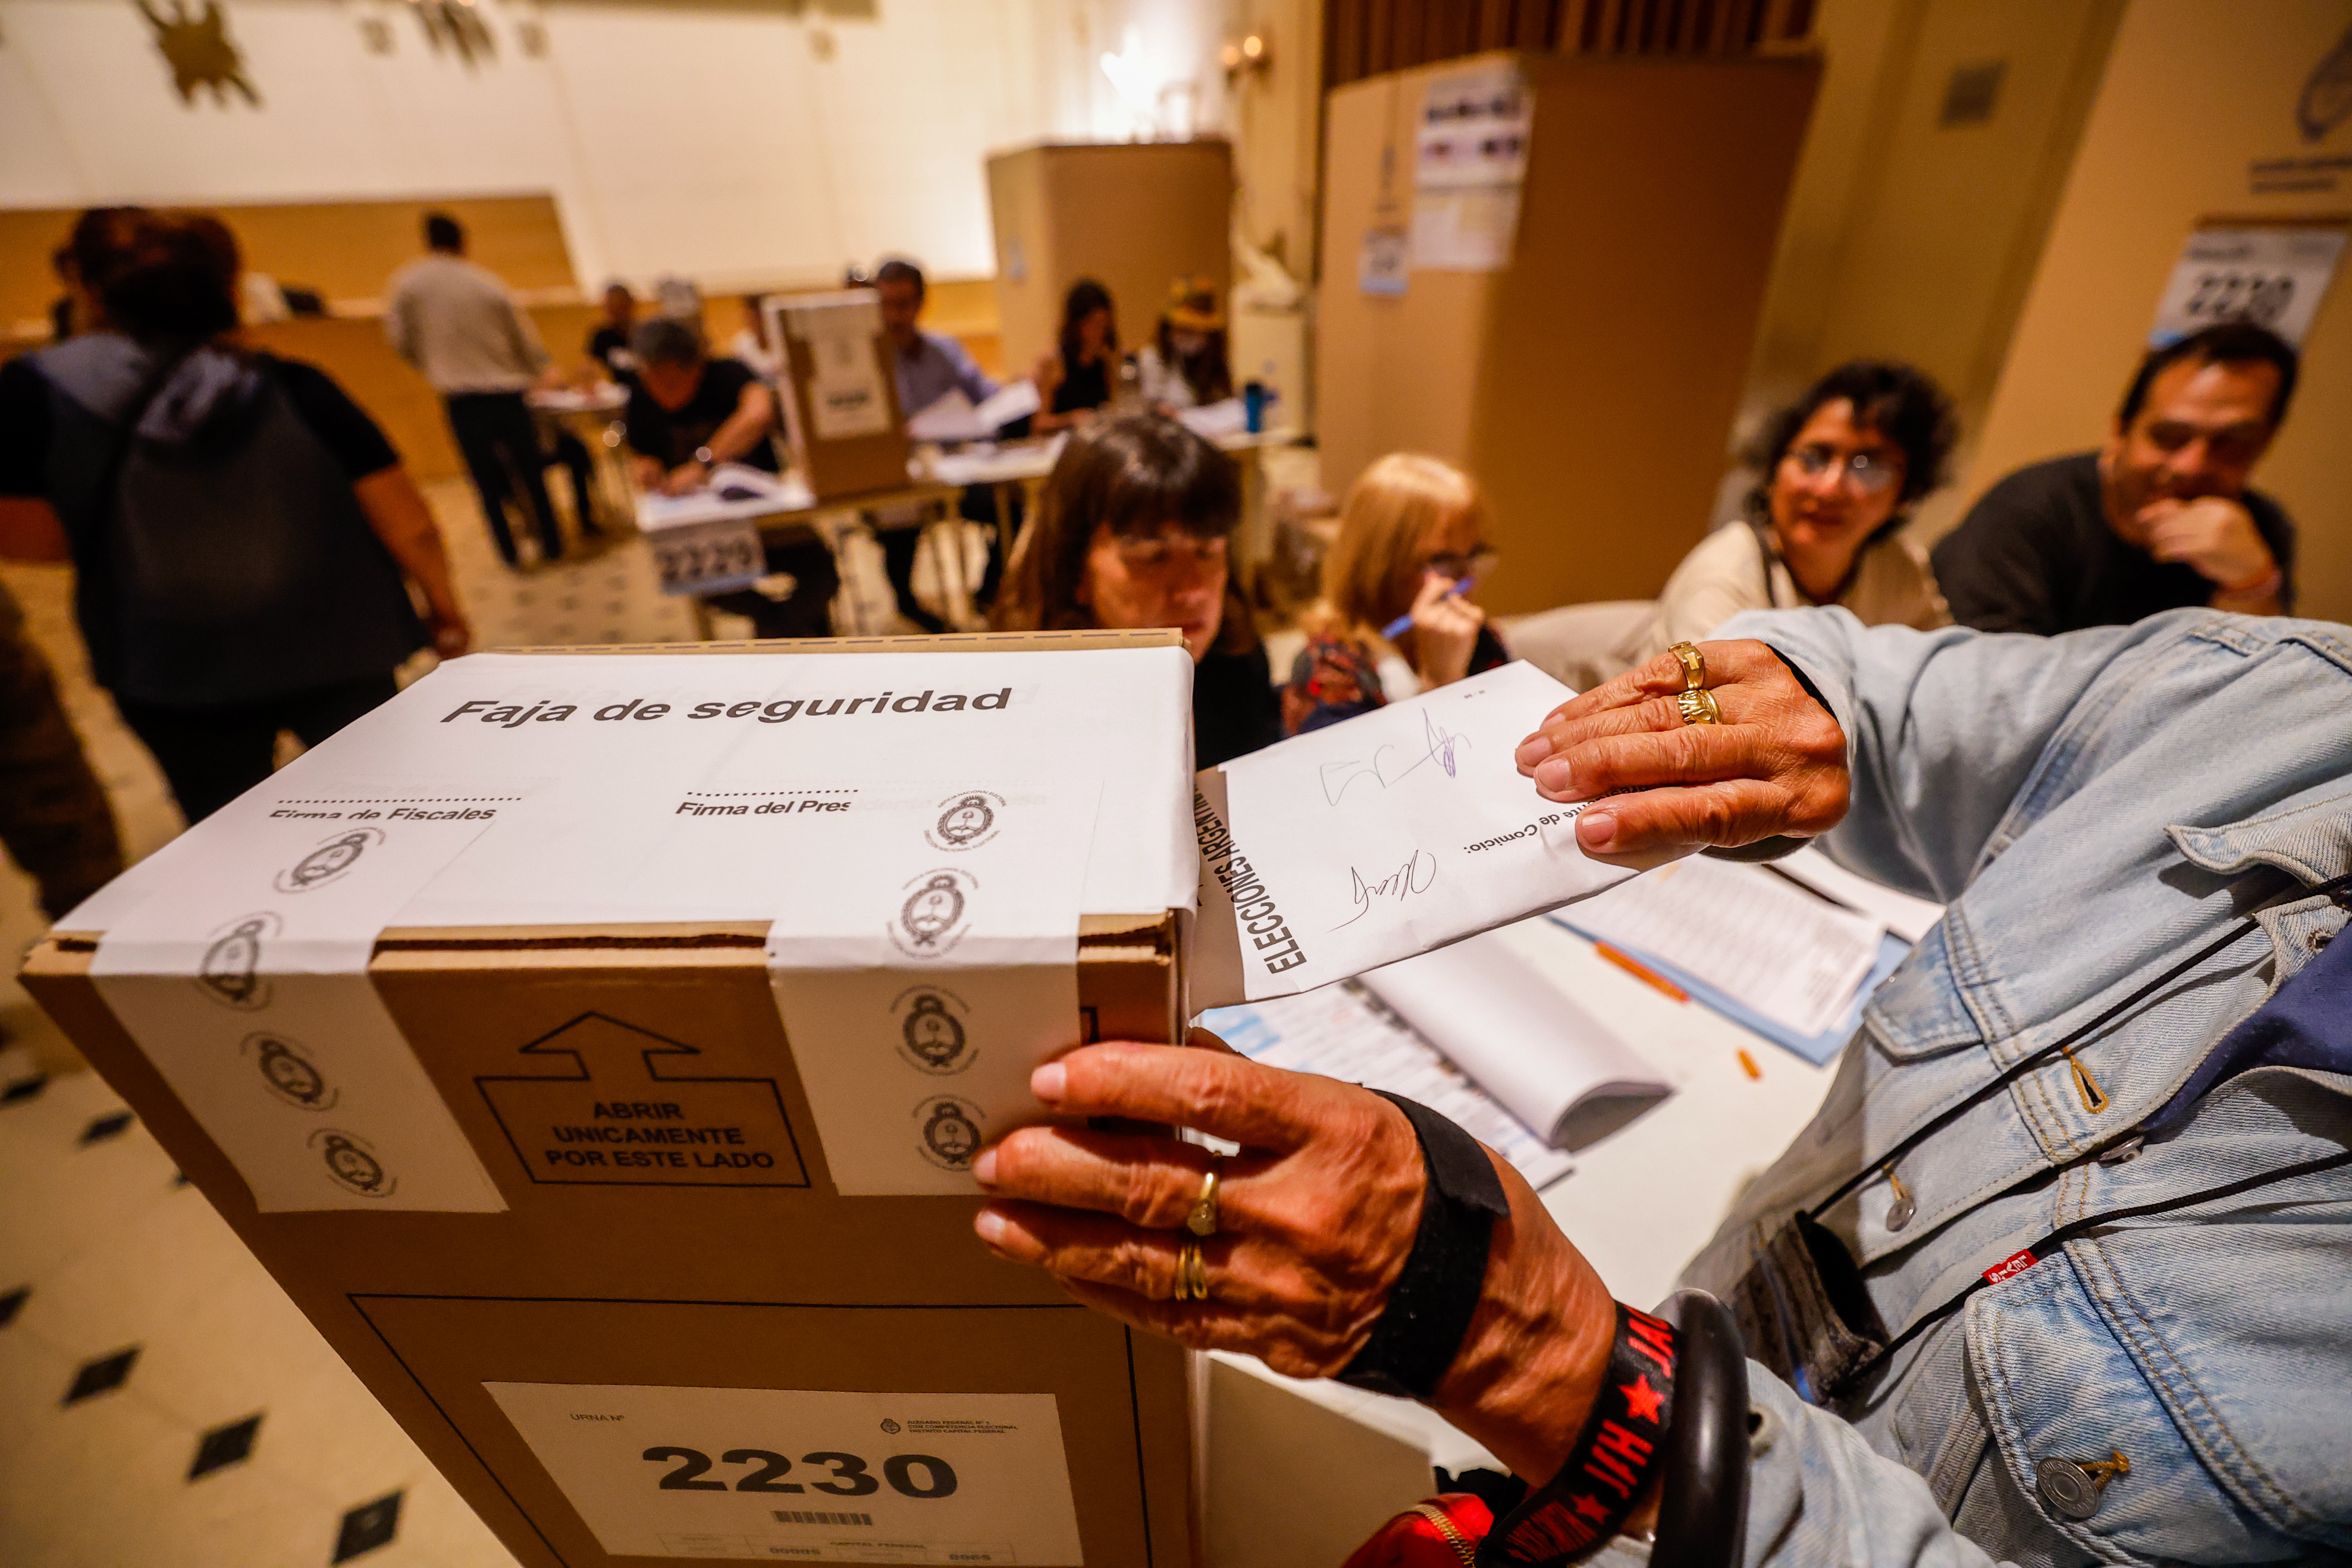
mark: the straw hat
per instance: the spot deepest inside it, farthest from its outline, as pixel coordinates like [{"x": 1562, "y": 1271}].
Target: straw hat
[{"x": 1192, "y": 306}]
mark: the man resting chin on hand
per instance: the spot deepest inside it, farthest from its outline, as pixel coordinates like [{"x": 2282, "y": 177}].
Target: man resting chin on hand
[{"x": 2056, "y": 1274}]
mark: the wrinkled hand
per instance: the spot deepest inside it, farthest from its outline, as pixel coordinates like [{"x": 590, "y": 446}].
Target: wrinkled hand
[
  {"x": 2215, "y": 535},
  {"x": 1315, "y": 1214},
  {"x": 1445, "y": 631},
  {"x": 1777, "y": 764},
  {"x": 1315, "y": 1217}
]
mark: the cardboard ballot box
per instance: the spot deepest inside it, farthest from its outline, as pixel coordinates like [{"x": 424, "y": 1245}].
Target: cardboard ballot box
[
  {"x": 842, "y": 418},
  {"x": 593, "y": 1045}
]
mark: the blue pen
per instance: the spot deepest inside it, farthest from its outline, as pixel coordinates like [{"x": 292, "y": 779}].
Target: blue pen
[{"x": 1397, "y": 627}]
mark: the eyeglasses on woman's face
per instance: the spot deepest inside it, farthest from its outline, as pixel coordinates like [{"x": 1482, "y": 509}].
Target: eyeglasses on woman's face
[
  {"x": 1461, "y": 565},
  {"x": 1872, "y": 473},
  {"x": 1171, "y": 554}
]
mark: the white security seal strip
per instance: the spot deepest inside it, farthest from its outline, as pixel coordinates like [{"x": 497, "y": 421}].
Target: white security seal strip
[
  {"x": 924, "y": 962},
  {"x": 1379, "y": 838},
  {"x": 797, "y": 1476},
  {"x": 244, "y": 980}
]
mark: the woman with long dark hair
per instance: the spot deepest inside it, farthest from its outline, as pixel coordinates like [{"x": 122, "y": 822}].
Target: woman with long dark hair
[
  {"x": 1081, "y": 374},
  {"x": 1132, "y": 532}
]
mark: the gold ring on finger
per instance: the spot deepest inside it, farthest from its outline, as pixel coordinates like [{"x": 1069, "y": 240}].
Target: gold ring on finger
[
  {"x": 1697, "y": 706},
  {"x": 1192, "y": 1273},
  {"x": 1694, "y": 664},
  {"x": 1203, "y": 1220}
]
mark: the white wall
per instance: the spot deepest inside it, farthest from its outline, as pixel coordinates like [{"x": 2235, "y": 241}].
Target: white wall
[{"x": 740, "y": 144}]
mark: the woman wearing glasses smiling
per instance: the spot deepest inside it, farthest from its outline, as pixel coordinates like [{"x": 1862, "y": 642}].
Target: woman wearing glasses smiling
[
  {"x": 1132, "y": 532},
  {"x": 1842, "y": 468}
]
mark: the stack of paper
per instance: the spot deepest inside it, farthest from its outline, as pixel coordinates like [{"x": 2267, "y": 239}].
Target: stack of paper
[
  {"x": 1754, "y": 943},
  {"x": 954, "y": 418},
  {"x": 1470, "y": 1031}
]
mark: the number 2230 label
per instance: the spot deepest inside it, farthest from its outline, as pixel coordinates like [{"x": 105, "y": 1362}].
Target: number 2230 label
[{"x": 776, "y": 1475}]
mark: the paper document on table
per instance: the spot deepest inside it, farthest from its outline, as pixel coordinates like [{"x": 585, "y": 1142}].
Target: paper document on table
[
  {"x": 1379, "y": 838},
  {"x": 1342, "y": 1031},
  {"x": 1557, "y": 1068},
  {"x": 735, "y": 490},
  {"x": 1794, "y": 958},
  {"x": 953, "y": 416},
  {"x": 1227, "y": 417},
  {"x": 1908, "y": 917}
]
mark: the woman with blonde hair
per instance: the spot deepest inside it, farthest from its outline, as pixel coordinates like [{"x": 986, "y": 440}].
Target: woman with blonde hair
[{"x": 1396, "y": 616}]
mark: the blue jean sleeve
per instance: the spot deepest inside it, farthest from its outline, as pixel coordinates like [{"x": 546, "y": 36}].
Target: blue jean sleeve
[{"x": 1943, "y": 729}]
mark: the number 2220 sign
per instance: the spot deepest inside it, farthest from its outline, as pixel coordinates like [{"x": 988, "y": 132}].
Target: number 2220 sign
[{"x": 806, "y": 1475}]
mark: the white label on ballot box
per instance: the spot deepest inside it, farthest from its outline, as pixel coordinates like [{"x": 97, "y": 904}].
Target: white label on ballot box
[
  {"x": 787, "y": 1476},
  {"x": 244, "y": 980},
  {"x": 714, "y": 557},
  {"x": 935, "y": 970},
  {"x": 1379, "y": 838}
]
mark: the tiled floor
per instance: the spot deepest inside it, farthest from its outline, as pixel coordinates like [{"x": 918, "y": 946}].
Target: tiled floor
[{"x": 162, "y": 1405}]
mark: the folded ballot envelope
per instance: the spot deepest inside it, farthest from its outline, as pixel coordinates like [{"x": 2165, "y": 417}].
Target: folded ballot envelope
[
  {"x": 1389, "y": 835},
  {"x": 595, "y": 1045}
]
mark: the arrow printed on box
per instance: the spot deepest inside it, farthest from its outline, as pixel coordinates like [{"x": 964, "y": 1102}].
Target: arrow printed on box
[{"x": 617, "y": 1119}]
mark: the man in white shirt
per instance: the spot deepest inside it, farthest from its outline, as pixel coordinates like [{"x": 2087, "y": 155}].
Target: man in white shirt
[{"x": 456, "y": 324}]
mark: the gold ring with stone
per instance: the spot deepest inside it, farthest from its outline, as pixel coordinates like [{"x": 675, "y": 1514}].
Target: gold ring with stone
[
  {"x": 1698, "y": 706},
  {"x": 1694, "y": 664},
  {"x": 1192, "y": 1274},
  {"x": 1203, "y": 1220}
]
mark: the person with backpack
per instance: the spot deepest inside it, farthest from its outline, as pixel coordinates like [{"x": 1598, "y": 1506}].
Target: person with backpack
[{"x": 244, "y": 537}]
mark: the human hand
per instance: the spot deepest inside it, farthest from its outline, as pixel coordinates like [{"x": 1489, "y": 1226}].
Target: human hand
[
  {"x": 1776, "y": 764},
  {"x": 2213, "y": 534},
  {"x": 1445, "y": 630},
  {"x": 684, "y": 478},
  {"x": 1315, "y": 1217},
  {"x": 646, "y": 472}
]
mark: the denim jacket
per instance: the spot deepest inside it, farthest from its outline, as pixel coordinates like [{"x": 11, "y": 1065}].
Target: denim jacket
[{"x": 2094, "y": 808}]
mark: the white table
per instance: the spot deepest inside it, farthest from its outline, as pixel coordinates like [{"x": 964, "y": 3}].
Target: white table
[{"x": 1308, "y": 1477}]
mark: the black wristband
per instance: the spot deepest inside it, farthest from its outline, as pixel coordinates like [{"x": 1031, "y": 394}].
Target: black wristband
[
  {"x": 1571, "y": 1516},
  {"x": 1430, "y": 1306}
]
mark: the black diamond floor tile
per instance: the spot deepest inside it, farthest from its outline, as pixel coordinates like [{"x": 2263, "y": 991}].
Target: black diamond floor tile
[
  {"x": 24, "y": 1088},
  {"x": 368, "y": 1526},
  {"x": 97, "y": 1376},
  {"x": 106, "y": 1127},
  {"x": 225, "y": 1445},
  {"x": 12, "y": 1303}
]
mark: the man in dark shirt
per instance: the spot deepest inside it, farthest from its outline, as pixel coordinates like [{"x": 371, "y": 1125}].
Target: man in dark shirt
[
  {"x": 2158, "y": 519},
  {"x": 608, "y": 344},
  {"x": 687, "y": 414}
]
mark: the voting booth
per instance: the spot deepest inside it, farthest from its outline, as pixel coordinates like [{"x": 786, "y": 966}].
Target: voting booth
[
  {"x": 595, "y": 1045},
  {"x": 1564, "y": 258}
]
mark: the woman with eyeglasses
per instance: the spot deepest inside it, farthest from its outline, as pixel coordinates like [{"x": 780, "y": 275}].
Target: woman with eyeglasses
[
  {"x": 1396, "y": 617},
  {"x": 1132, "y": 532},
  {"x": 1841, "y": 470}
]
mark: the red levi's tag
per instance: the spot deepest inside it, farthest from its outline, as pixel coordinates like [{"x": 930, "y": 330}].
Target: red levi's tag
[{"x": 2009, "y": 1267}]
